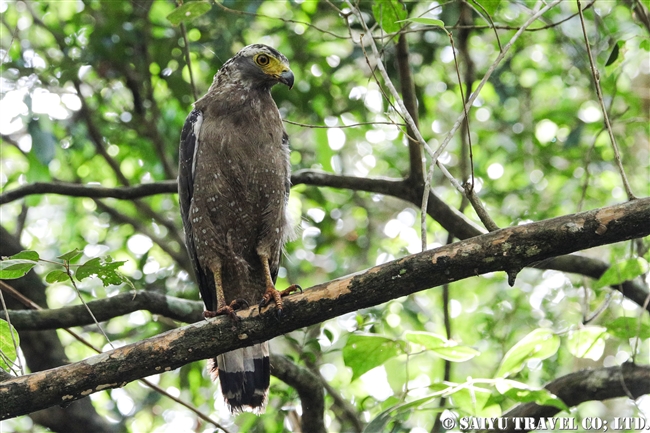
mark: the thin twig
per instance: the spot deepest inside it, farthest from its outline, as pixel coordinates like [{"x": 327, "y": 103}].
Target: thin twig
[
  {"x": 32, "y": 305},
  {"x": 66, "y": 265},
  {"x": 425, "y": 28},
  {"x": 189, "y": 61},
  {"x": 596, "y": 74},
  {"x": 11, "y": 331},
  {"x": 284, "y": 20},
  {"x": 489, "y": 19},
  {"x": 352, "y": 125},
  {"x": 475, "y": 202}
]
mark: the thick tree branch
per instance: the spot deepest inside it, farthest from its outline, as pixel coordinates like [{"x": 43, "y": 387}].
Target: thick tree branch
[
  {"x": 309, "y": 389},
  {"x": 449, "y": 218},
  {"x": 505, "y": 249},
  {"x": 416, "y": 164},
  {"x": 627, "y": 380},
  {"x": 43, "y": 350},
  {"x": 105, "y": 309},
  {"x": 594, "y": 268},
  {"x": 92, "y": 191}
]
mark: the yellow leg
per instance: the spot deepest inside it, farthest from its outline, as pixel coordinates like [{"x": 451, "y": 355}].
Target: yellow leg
[
  {"x": 222, "y": 307},
  {"x": 271, "y": 291}
]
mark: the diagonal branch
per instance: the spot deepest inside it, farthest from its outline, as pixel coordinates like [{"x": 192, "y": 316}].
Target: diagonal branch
[
  {"x": 505, "y": 249},
  {"x": 599, "y": 93},
  {"x": 184, "y": 310},
  {"x": 309, "y": 389},
  {"x": 627, "y": 380}
]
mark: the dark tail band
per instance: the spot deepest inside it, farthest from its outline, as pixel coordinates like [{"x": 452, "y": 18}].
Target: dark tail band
[{"x": 244, "y": 375}]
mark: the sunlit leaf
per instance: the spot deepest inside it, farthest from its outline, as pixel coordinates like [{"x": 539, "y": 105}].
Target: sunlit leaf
[
  {"x": 427, "y": 22},
  {"x": 362, "y": 353},
  {"x": 540, "y": 343},
  {"x": 475, "y": 401},
  {"x": 628, "y": 327},
  {"x": 71, "y": 256},
  {"x": 446, "y": 349},
  {"x": 27, "y": 255},
  {"x": 379, "y": 423},
  {"x": 188, "y": 11},
  {"x": 389, "y": 13},
  {"x": 7, "y": 346},
  {"x": 622, "y": 271},
  {"x": 522, "y": 393},
  {"x": 588, "y": 342},
  {"x": 105, "y": 269},
  {"x": 15, "y": 268},
  {"x": 490, "y": 6},
  {"x": 56, "y": 276}
]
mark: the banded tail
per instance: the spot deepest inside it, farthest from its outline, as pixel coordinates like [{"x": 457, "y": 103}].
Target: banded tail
[{"x": 244, "y": 375}]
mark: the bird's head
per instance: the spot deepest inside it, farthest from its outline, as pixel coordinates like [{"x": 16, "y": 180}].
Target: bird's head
[{"x": 263, "y": 65}]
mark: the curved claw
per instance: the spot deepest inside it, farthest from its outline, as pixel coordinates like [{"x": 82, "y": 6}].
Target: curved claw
[
  {"x": 238, "y": 304},
  {"x": 208, "y": 314}
]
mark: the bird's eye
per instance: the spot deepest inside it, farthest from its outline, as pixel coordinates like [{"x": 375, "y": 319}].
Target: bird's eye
[{"x": 262, "y": 60}]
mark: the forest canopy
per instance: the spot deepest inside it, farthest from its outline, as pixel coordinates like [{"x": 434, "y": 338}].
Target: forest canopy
[{"x": 470, "y": 185}]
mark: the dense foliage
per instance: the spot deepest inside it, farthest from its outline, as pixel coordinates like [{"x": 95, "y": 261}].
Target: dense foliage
[{"x": 96, "y": 93}]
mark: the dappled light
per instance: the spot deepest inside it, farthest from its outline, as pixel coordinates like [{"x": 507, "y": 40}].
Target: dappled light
[{"x": 415, "y": 308}]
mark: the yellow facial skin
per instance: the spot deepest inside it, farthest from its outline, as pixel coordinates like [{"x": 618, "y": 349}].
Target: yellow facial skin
[{"x": 271, "y": 66}]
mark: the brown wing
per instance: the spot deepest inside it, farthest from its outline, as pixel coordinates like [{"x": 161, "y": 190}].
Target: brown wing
[{"x": 188, "y": 146}]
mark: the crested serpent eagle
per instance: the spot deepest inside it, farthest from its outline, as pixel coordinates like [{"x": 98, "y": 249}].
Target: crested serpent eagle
[{"x": 234, "y": 181}]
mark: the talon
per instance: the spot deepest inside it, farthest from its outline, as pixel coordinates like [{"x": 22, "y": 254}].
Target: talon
[
  {"x": 291, "y": 289},
  {"x": 238, "y": 304},
  {"x": 229, "y": 311},
  {"x": 208, "y": 314},
  {"x": 265, "y": 299}
]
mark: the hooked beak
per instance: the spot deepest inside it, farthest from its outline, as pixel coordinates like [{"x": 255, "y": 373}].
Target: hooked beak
[{"x": 286, "y": 77}]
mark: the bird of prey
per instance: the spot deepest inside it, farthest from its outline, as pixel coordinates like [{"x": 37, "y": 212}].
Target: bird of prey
[{"x": 234, "y": 181}]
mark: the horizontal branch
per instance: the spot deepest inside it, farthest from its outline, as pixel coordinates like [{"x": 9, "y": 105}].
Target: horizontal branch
[
  {"x": 105, "y": 309},
  {"x": 627, "y": 380},
  {"x": 92, "y": 191},
  {"x": 404, "y": 189},
  {"x": 633, "y": 290},
  {"x": 506, "y": 249}
]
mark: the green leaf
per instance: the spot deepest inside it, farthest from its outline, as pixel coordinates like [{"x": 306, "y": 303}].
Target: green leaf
[
  {"x": 490, "y": 6},
  {"x": 622, "y": 271},
  {"x": 628, "y": 327},
  {"x": 475, "y": 401},
  {"x": 588, "y": 342},
  {"x": 7, "y": 344},
  {"x": 381, "y": 421},
  {"x": 188, "y": 11},
  {"x": 56, "y": 276},
  {"x": 427, "y": 22},
  {"x": 645, "y": 44},
  {"x": 613, "y": 55},
  {"x": 106, "y": 270},
  {"x": 389, "y": 13},
  {"x": 71, "y": 256},
  {"x": 540, "y": 343},
  {"x": 446, "y": 349},
  {"x": 522, "y": 393},
  {"x": 362, "y": 353},
  {"x": 15, "y": 268},
  {"x": 27, "y": 255}
]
